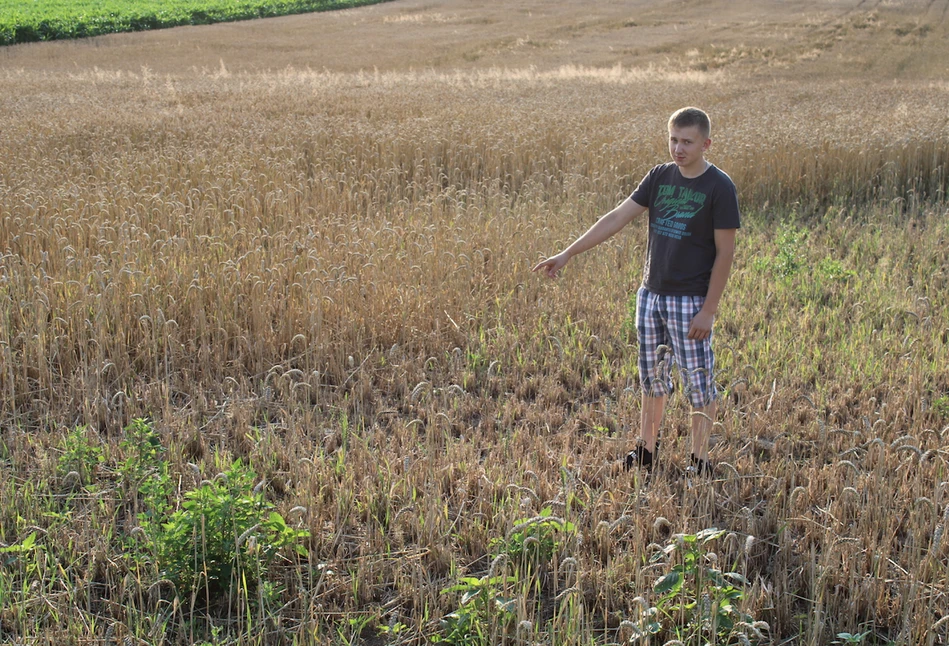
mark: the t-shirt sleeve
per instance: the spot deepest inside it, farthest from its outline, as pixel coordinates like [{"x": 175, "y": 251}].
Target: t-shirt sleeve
[
  {"x": 641, "y": 195},
  {"x": 725, "y": 212}
]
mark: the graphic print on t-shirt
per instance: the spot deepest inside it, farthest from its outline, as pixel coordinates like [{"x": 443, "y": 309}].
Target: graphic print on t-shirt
[{"x": 678, "y": 205}]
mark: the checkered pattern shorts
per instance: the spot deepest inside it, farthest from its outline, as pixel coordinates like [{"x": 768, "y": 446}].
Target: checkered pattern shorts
[{"x": 663, "y": 326}]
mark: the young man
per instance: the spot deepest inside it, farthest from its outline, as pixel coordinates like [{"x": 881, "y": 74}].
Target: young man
[{"x": 693, "y": 218}]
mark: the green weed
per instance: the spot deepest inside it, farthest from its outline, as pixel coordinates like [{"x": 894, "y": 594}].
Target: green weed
[
  {"x": 790, "y": 257},
  {"x": 697, "y": 601},
  {"x": 940, "y": 406},
  {"x": 533, "y": 541},
  {"x": 80, "y": 455},
  {"x": 794, "y": 269},
  {"x": 225, "y": 534},
  {"x": 484, "y": 609}
]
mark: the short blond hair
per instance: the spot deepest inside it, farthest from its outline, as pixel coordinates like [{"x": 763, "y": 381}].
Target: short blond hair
[{"x": 686, "y": 117}]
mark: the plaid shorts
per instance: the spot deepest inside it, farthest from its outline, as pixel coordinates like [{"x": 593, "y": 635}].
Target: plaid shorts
[{"x": 663, "y": 326}]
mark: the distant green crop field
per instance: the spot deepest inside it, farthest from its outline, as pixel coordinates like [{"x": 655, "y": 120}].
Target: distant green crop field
[{"x": 32, "y": 20}]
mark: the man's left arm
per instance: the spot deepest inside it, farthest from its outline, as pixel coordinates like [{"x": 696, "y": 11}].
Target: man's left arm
[{"x": 701, "y": 326}]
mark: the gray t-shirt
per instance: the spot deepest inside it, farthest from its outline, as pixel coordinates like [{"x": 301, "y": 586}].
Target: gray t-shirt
[{"x": 683, "y": 216}]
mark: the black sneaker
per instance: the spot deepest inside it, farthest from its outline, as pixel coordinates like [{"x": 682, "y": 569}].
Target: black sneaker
[
  {"x": 700, "y": 467},
  {"x": 641, "y": 458}
]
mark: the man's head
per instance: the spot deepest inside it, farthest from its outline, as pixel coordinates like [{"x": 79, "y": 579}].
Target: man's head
[
  {"x": 687, "y": 117},
  {"x": 689, "y": 130}
]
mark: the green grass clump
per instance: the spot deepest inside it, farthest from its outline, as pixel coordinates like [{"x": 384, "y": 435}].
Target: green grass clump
[{"x": 56, "y": 19}]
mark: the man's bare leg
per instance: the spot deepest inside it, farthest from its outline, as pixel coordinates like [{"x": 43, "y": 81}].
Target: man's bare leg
[
  {"x": 645, "y": 453},
  {"x": 702, "y": 420},
  {"x": 650, "y": 420}
]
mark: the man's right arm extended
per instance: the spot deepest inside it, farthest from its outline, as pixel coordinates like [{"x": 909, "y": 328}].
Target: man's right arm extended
[{"x": 604, "y": 228}]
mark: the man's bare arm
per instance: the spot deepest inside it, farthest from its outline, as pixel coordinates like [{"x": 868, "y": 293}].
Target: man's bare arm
[
  {"x": 701, "y": 325},
  {"x": 604, "y": 228}
]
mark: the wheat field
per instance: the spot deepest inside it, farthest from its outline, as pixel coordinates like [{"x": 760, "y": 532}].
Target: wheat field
[{"x": 305, "y": 243}]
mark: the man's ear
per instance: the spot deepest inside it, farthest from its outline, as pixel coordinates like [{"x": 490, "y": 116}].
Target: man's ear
[{"x": 705, "y": 146}]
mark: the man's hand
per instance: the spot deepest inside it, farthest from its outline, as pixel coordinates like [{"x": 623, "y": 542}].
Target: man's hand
[
  {"x": 701, "y": 326},
  {"x": 604, "y": 228},
  {"x": 553, "y": 264}
]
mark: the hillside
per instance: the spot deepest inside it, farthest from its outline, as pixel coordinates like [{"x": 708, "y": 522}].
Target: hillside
[{"x": 868, "y": 39}]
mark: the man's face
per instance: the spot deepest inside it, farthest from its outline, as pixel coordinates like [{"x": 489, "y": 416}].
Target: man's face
[{"x": 687, "y": 147}]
